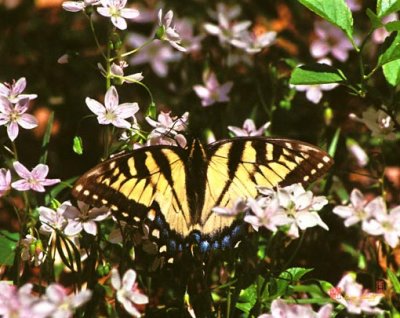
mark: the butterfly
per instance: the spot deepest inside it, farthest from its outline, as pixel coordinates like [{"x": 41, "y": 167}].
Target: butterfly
[{"x": 174, "y": 190}]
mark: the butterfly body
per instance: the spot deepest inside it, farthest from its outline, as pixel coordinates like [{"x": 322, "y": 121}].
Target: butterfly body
[{"x": 174, "y": 189}]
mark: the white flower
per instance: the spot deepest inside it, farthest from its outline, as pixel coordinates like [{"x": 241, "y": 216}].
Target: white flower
[
  {"x": 301, "y": 207},
  {"x": 189, "y": 41},
  {"x": 266, "y": 213},
  {"x": 167, "y": 130},
  {"x": 32, "y": 180},
  {"x": 352, "y": 295},
  {"x": 115, "y": 9},
  {"x": 59, "y": 304},
  {"x": 280, "y": 309},
  {"x": 158, "y": 54},
  {"x": 168, "y": 32},
  {"x": 386, "y": 224},
  {"x": 16, "y": 302},
  {"x": 128, "y": 293},
  {"x": 112, "y": 112},
  {"x": 359, "y": 210},
  {"x": 213, "y": 92},
  {"x": 13, "y": 91},
  {"x": 291, "y": 206},
  {"x": 83, "y": 218},
  {"x": 330, "y": 39},
  {"x": 227, "y": 31},
  {"x": 249, "y": 129},
  {"x": 379, "y": 122},
  {"x": 53, "y": 220},
  {"x": 14, "y": 115},
  {"x": 252, "y": 43}
]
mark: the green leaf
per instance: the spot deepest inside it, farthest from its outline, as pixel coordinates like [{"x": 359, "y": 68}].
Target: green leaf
[
  {"x": 296, "y": 273},
  {"x": 46, "y": 139},
  {"x": 8, "y": 245},
  {"x": 312, "y": 74},
  {"x": 375, "y": 21},
  {"x": 326, "y": 286},
  {"x": 58, "y": 188},
  {"x": 77, "y": 146},
  {"x": 334, "y": 11},
  {"x": 392, "y": 26},
  {"x": 247, "y": 299},
  {"x": 385, "y": 7},
  {"x": 334, "y": 143},
  {"x": 391, "y": 71},
  {"x": 394, "y": 280},
  {"x": 391, "y": 49}
]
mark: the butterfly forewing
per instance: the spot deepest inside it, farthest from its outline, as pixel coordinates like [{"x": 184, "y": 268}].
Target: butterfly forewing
[
  {"x": 133, "y": 182},
  {"x": 237, "y": 166}
]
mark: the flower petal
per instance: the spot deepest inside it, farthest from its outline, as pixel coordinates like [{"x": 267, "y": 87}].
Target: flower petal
[
  {"x": 21, "y": 170},
  {"x": 40, "y": 171},
  {"x": 73, "y": 228},
  {"x": 95, "y": 106},
  {"x": 129, "y": 279},
  {"x": 12, "y": 131},
  {"x": 21, "y": 185},
  {"x": 115, "y": 279},
  {"x": 129, "y": 13},
  {"x": 27, "y": 121},
  {"x": 111, "y": 99}
]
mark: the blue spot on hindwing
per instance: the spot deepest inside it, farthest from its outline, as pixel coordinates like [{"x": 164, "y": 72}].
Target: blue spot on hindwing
[
  {"x": 226, "y": 242},
  {"x": 215, "y": 245},
  {"x": 204, "y": 247},
  {"x": 171, "y": 246}
]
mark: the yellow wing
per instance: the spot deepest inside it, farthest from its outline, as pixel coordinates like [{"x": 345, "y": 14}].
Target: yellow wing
[
  {"x": 237, "y": 166},
  {"x": 131, "y": 183}
]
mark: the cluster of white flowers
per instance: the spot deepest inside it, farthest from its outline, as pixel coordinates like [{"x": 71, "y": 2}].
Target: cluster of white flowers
[
  {"x": 354, "y": 297},
  {"x": 280, "y": 309},
  {"x": 238, "y": 33},
  {"x": 374, "y": 217},
  {"x": 168, "y": 130},
  {"x": 55, "y": 302},
  {"x": 290, "y": 208},
  {"x": 70, "y": 219}
]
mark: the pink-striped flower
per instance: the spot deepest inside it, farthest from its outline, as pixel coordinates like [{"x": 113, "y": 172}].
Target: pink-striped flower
[
  {"x": 32, "y": 180},
  {"x": 115, "y": 9},
  {"x": 168, "y": 32},
  {"x": 13, "y": 91},
  {"x": 112, "y": 112},
  {"x": 127, "y": 291},
  {"x": 14, "y": 115},
  {"x": 212, "y": 91}
]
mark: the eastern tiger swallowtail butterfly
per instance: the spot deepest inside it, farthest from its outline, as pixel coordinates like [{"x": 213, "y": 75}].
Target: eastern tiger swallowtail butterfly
[{"x": 174, "y": 189}]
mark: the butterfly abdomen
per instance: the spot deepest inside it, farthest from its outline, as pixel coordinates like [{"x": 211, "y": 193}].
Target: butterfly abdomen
[{"x": 196, "y": 169}]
